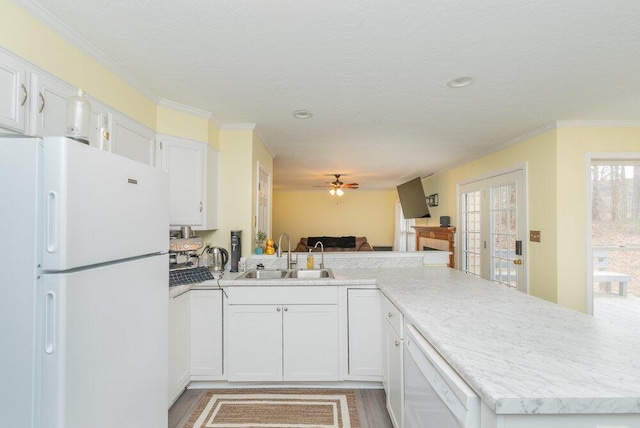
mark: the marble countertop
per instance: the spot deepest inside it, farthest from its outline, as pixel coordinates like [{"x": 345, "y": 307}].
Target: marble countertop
[{"x": 521, "y": 354}]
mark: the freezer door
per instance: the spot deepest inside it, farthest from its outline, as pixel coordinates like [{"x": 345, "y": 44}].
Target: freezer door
[
  {"x": 100, "y": 207},
  {"x": 104, "y": 358}
]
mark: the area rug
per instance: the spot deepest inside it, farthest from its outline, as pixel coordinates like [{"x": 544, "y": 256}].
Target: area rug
[{"x": 247, "y": 408}]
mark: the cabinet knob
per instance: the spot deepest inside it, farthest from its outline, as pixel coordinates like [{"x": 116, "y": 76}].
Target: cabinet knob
[
  {"x": 286, "y": 309},
  {"x": 390, "y": 314},
  {"x": 278, "y": 309},
  {"x": 397, "y": 343}
]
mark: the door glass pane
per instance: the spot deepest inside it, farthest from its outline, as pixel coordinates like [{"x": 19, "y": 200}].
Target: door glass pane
[
  {"x": 503, "y": 235},
  {"x": 471, "y": 232}
]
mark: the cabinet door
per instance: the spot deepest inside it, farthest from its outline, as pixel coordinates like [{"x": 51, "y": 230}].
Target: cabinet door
[
  {"x": 184, "y": 161},
  {"x": 255, "y": 343},
  {"x": 132, "y": 140},
  {"x": 14, "y": 94},
  {"x": 394, "y": 381},
  {"x": 178, "y": 345},
  {"x": 365, "y": 334},
  {"x": 49, "y": 105},
  {"x": 310, "y": 340},
  {"x": 206, "y": 332}
]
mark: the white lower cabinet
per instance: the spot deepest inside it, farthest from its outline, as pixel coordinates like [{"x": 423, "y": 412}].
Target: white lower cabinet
[
  {"x": 392, "y": 358},
  {"x": 296, "y": 340},
  {"x": 179, "y": 345},
  {"x": 364, "y": 334},
  {"x": 206, "y": 334}
]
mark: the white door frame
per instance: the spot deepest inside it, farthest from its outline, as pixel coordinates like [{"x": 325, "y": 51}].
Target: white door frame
[
  {"x": 525, "y": 239},
  {"x": 262, "y": 168},
  {"x": 589, "y": 158}
]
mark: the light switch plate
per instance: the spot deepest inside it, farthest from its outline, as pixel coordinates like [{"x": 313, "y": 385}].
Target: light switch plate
[{"x": 534, "y": 235}]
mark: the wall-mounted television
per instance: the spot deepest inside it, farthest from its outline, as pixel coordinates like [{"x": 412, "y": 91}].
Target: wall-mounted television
[{"x": 413, "y": 199}]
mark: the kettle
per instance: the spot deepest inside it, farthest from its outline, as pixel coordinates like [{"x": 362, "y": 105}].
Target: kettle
[{"x": 218, "y": 258}]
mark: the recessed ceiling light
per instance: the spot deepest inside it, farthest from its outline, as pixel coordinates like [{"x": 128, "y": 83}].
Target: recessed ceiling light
[
  {"x": 302, "y": 114},
  {"x": 461, "y": 81}
]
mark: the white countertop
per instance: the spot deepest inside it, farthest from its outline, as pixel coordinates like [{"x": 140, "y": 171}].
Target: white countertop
[{"x": 521, "y": 354}]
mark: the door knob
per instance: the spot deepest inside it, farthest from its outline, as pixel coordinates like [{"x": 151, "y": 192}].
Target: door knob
[{"x": 517, "y": 261}]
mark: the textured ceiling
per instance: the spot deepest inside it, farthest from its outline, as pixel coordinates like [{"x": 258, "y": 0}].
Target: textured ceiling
[{"x": 374, "y": 73}]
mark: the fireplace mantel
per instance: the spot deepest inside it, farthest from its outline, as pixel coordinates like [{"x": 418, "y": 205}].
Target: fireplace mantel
[{"x": 445, "y": 234}]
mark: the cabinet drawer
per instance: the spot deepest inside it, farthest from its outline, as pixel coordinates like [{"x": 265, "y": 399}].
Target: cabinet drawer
[
  {"x": 269, "y": 295},
  {"x": 392, "y": 315}
]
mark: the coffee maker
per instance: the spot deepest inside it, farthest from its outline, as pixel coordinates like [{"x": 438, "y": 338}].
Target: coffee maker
[
  {"x": 183, "y": 249},
  {"x": 236, "y": 249}
]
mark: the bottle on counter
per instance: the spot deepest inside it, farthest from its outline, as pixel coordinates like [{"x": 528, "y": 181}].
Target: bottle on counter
[{"x": 310, "y": 260}]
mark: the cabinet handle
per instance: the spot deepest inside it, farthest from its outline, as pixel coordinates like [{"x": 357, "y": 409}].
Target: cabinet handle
[
  {"x": 24, "y": 99},
  {"x": 200, "y": 206},
  {"x": 397, "y": 343},
  {"x": 42, "y": 99},
  {"x": 278, "y": 309},
  {"x": 390, "y": 314},
  {"x": 286, "y": 309}
]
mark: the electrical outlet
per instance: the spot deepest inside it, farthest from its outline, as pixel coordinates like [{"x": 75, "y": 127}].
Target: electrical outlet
[{"x": 534, "y": 235}]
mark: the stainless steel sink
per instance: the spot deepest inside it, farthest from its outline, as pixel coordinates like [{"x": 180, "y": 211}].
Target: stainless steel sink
[
  {"x": 311, "y": 274},
  {"x": 287, "y": 274},
  {"x": 263, "y": 274}
]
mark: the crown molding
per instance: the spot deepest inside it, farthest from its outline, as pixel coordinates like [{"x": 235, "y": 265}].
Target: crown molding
[
  {"x": 264, "y": 143},
  {"x": 76, "y": 40},
  {"x": 185, "y": 108}
]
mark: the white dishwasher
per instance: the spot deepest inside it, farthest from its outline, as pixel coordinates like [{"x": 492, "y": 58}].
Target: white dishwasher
[{"x": 435, "y": 396}]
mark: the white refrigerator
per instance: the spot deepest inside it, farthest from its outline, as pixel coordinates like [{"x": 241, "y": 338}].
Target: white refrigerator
[{"x": 84, "y": 287}]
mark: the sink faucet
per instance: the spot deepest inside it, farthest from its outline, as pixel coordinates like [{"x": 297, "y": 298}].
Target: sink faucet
[
  {"x": 290, "y": 263},
  {"x": 321, "y": 254}
]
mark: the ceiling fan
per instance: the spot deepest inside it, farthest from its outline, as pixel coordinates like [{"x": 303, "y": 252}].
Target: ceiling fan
[{"x": 337, "y": 185}]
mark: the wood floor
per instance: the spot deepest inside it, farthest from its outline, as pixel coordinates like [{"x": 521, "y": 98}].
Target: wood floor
[{"x": 370, "y": 402}]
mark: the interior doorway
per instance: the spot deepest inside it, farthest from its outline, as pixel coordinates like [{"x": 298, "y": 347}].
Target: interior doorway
[
  {"x": 493, "y": 227},
  {"x": 614, "y": 238}
]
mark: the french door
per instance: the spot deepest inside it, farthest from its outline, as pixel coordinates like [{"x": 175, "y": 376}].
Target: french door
[{"x": 493, "y": 221}]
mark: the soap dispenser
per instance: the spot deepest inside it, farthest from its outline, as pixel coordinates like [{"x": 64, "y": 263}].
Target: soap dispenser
[{"x": 310, "y": 260}]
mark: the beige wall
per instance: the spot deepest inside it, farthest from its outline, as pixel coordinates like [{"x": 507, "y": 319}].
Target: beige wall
[{"x": 367, "y": 213}]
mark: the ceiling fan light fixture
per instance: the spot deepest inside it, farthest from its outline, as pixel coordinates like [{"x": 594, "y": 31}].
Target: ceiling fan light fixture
[
  {"x": 461, "y": 82},
  {"x": 302, "y": 114},
  {"x": 339, "y": 192},
  {"x": 332, "y": 192}
]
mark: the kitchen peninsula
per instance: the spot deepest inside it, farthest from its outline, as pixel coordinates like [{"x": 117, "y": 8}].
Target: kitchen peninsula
[{"x": 532, "y": 362}]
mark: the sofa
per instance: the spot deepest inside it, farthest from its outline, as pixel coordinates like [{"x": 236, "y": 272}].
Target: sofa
[{"x": 334, "y": 243}]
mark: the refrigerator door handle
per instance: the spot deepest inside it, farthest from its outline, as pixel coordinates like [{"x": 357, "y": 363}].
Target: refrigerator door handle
[
  {"x": 49, "y": 322},
  {"x": 51, "y": 222}
]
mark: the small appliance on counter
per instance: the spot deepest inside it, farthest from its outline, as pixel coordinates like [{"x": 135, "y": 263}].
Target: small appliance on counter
[
  {"x": 218, "y": 258},
  {"x": 183, "y": 252},
  {"x": 236, "y": 249}
]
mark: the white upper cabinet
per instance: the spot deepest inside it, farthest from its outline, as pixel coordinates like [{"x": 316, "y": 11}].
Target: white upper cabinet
[
  {"x": 48, "y": 108},
  {"x": 132, "y": 140},
  {"x": 193, "y": 177},
  {"x": 14, "y": 93}
]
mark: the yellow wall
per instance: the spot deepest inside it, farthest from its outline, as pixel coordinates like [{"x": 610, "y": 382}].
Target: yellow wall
[
  {"x": 367, "y": 213},
  {"x": 573, "y": 145},
  {"x": 181, "y": 124},
  {"x": 539, "y": 155},
  {"x": 25, "y": 36}
]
